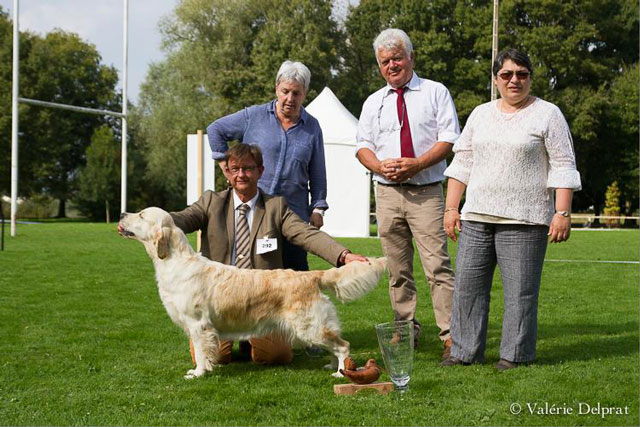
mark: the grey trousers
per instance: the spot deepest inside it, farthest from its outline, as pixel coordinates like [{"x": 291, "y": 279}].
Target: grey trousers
[{"x": 519, "y": 251}]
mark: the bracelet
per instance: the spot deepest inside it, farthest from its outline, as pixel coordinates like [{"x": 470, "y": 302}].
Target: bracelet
[{"x": 450, "y": 209}]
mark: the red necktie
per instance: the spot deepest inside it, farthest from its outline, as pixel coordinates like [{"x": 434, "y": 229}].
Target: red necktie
[{"x": 406, "y": 144}]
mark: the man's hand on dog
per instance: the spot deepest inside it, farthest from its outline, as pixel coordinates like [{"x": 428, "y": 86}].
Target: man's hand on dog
[{"x": 355, "y": 257}]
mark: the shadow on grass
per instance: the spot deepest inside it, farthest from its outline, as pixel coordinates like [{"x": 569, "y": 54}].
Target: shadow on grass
[
  {"x": 583, "y": 341},
  {"x": 588, "y": 341},
  {"x": 557, "y": 344}
]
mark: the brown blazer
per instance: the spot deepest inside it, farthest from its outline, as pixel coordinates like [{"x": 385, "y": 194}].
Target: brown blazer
[{"x": 272, "y": 218}]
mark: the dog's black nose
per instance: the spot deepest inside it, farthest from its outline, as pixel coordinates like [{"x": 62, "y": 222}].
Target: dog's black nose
[{"x": 123, "y": 214}]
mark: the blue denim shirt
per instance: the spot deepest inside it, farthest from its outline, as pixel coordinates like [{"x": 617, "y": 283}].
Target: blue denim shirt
[{"x": 294, "y": 164}]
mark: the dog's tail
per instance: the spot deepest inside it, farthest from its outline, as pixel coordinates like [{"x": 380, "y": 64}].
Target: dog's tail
[{"x": 353, "y": 280}]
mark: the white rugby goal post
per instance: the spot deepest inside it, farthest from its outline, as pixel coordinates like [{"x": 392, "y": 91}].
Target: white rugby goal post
[{"x": 15, "y": 99}]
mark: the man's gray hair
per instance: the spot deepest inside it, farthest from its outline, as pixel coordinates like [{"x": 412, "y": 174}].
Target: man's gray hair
[
  {"x": 392, "y": 38},
  {"x": 294, "y": 72}
]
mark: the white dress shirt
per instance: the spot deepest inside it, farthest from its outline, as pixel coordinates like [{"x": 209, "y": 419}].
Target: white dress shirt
[
  {"x": 236, "y": 204},
  {"x": 432, "y": 118}
]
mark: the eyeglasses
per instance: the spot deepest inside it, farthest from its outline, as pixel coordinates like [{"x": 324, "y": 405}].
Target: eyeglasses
[
  {"x": 246, "y": 169},
  {"x": 508, "y": 75}
]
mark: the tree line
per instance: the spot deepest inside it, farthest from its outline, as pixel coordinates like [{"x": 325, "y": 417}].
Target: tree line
[{"x": 222, "y": 56}]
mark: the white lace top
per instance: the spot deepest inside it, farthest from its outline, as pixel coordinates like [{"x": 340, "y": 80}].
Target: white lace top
[{"x": 512, "y": 162}]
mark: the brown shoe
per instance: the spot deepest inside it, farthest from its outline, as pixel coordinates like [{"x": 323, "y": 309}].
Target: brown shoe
[
  {"x": 453, "y": 361},
  {"x": 447, "y": 349},
  {"x": 504, "y": 365}
]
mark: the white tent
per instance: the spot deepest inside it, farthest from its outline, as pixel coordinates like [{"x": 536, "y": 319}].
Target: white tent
[{"x": 347, "y": 180}]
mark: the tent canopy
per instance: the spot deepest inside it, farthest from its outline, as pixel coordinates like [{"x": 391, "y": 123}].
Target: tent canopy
[{"x": 337, "y": 123}]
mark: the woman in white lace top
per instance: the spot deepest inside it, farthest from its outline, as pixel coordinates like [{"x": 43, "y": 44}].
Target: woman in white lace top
[{"x": 515, "y": 160}]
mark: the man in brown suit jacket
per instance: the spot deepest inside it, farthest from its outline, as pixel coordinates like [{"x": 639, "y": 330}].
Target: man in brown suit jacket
[{"x": 270, "y": 220}]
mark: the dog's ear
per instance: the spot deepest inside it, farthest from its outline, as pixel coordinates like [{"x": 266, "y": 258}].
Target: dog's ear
[{"x": 162, "y": 239}]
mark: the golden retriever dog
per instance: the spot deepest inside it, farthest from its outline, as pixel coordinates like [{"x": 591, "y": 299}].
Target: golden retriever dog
[{"x": 214, "y": 302}]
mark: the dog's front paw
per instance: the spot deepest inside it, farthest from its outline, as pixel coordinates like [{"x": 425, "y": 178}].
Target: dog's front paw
[
  {"x": 193, "y": 373},
  {"x": 337, "y": 375}
]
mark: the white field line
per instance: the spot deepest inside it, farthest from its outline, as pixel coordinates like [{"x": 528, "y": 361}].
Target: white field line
[
  {"x": 592, "y": 261},
  {"x": 603, "y": 229}
]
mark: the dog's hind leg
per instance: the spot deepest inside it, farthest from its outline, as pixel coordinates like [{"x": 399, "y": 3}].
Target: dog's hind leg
[
  {"x": 206, "y": 344},
  {"x": 322, "y": 328}
]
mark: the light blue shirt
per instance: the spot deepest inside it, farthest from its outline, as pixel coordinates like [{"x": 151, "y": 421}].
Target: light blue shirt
[{"x": 294, "y": 165}]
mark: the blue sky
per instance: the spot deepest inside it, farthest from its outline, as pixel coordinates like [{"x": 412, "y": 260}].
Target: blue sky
[{"x": 100, "y": 23}]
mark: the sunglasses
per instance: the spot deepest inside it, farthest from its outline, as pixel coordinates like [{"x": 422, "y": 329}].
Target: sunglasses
[{"x": 508, "y": 75}]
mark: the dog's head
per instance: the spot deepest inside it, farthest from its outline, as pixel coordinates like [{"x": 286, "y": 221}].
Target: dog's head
[{"x": 151, "y": 226}]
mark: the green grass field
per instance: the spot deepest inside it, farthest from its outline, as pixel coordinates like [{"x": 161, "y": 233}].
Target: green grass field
[{"x": 85, "y": 340}]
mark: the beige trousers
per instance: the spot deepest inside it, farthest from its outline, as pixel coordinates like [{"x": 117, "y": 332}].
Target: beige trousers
[{"x": 407, "y": 213}]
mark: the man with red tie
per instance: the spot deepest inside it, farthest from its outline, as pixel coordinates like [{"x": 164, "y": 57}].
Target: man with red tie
[{"x": 406, "y": 130}]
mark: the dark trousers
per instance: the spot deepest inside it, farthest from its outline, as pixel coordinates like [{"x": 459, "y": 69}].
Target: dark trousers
[{"x": 294, "y": 257}]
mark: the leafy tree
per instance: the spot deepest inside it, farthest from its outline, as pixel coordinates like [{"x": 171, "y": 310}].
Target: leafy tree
[
  {"x": 6, "y": 55},
  {"x": 223, "y": 56},
  {"x": 99, "y": 181},
  {"x": 451, "y": 41},
  {"x": 584, "y": 52},
  {"x": 612, "y": 203},
  {"x": 622, "y": 119},
  {"x": 168, "y": 110},
  {"x": 62, "y": 68}
]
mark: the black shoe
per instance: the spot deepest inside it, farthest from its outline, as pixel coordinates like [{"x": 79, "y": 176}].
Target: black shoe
[
  {"x": 504, "y": 364},
  {"x": 315, "y": 351},
  {"x": 453, "y": 361}
]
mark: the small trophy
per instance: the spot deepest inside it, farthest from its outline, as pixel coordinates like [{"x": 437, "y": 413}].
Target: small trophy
[{"x": 396, "y": 345}]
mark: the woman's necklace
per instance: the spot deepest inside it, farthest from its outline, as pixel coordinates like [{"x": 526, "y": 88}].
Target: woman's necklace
[{"x": 509, "y": 116}]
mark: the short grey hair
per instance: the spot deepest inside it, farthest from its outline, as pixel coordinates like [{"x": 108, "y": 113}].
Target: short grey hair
[
  {"x": 294, "y": 72},
  {"x": 392, "y": 38}
]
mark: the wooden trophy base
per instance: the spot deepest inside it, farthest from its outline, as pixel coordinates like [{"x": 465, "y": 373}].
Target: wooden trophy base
[{"x": 380, "y": 388}]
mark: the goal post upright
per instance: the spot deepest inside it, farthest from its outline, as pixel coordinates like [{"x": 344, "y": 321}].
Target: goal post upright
[
  {"x": 14, "y": 117},
  {"x": 125, "y": 48}
]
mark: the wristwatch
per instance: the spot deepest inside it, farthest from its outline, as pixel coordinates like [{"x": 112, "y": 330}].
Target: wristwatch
[
  {"x": 319, "y": 211},
  {"x": 565, "y": 214},
  {"x": 343, "y": 257}
]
